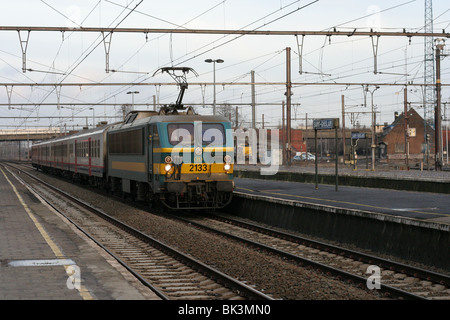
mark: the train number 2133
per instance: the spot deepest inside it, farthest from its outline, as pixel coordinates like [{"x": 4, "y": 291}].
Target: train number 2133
[{"x": 203, "y": 167}]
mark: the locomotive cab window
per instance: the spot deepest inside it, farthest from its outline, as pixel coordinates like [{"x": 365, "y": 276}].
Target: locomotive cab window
[
  {"x": 181, "y": 133},
  {"x": 212, "y": 133}
]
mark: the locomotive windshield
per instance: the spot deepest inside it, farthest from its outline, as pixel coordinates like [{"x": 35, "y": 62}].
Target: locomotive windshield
[
  {"x": 183, "y": 133},
  {"x": 213, "y": 134}
]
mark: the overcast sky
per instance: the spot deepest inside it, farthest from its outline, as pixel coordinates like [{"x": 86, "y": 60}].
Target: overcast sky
[{"x": 79, "y": 57}]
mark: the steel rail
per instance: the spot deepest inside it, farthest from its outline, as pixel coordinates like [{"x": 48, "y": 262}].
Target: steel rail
[
  {"x": 403, "y": 268},
  {"x": 117, "y": 258},
  {"x": 220, "y": 277},
  {"x": 304, "y": 261}
]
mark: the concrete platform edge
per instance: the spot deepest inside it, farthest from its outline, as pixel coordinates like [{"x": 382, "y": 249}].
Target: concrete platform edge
[{"x": 421, "y": 241}]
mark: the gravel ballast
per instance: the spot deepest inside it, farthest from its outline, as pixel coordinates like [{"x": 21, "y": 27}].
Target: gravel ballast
[{"x": 267, "y": 273}]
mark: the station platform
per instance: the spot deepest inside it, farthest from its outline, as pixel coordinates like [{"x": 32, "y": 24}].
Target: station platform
[
  {"x": 43, "y": 257},
  {"x": 406, "y": 224},
  {"x": 424, "y": 206},
  {"x": 421, "y": 205}
]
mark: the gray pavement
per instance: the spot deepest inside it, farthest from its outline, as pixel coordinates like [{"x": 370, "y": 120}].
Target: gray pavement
[
  {"x": 425, "y": 206},
  {"x": 43, "y": 257}
]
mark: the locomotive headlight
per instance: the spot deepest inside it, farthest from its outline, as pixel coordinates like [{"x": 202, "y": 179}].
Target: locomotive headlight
[
  {"x": 198, "y": 151},
  {"x": 227, "y": 166},
  {"x": 227, "y": 158},
  {"x": 168, "y": 167}
]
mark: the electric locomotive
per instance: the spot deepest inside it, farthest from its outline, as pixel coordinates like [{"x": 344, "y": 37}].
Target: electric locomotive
[
  {"x": 173, "y": 156},
  {"x": 182, "y": 160}
]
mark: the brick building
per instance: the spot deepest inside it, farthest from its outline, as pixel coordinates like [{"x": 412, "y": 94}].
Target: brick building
[{"x": 393, "y": 138}]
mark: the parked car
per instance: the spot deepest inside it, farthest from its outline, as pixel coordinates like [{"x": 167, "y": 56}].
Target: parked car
[
  {"x": 304, "y": 156},
  {"x": 308, "y": 156}
]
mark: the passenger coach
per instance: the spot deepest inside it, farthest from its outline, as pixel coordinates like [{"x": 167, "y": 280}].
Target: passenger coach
[{"x": 82, "y": 154}]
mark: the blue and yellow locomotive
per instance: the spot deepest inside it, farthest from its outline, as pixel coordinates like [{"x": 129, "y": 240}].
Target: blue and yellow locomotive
[
  {"x": 182, "y": 160},
  {"x": 173, "y": 157}
]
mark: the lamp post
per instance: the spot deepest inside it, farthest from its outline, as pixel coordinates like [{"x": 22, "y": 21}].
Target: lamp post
[
  {"x": 132, "y": 98},
  {"x": 214, "y": 79},
  {"x": 93, "y": 116}
]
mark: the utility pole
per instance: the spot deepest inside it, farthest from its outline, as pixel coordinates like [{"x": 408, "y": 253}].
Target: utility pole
[
  {"x": 428, "y": 91},
  {"x": 437, "y": 110},
  {"x": 343, "y": 129},
  {"x": 284, "y": 132},
  {"x": 373, "y": 146},
  {"x": 306, "y": 132},
  {"x": 288, "y": 103},
  {"x": 253, "y": 101},
  {"x": 405, "y": 113}
]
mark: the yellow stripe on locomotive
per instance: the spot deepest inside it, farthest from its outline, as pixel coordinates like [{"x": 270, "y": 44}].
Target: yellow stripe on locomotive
[{"x": 194, "y": 168}]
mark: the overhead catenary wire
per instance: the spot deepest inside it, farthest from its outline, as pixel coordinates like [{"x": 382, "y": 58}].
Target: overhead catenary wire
[
  {"x": 299, "y": 8},
  {"x": 341, "y": 74},
  {"x": 72, "y": 69},
  {"x": 145, "y": 73}
]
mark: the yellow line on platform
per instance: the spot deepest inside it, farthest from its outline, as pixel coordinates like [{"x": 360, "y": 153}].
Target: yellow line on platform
[{"x": 84, "y": 292}]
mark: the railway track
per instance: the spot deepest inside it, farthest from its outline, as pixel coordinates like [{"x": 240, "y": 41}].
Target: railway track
[
  {"x": 171, "y": 274},
  {"x": 395, "y": 279}
]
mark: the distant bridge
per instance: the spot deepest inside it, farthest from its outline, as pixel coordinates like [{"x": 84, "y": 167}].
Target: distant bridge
[{"x": 29, "y": 134}]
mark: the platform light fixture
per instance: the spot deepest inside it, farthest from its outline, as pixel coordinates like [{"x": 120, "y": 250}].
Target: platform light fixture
[
  {"x": 214, "y": 79},
  {"x": 132, "y": 97}
]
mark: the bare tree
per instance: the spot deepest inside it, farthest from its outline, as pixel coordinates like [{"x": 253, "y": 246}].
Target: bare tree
[{"x": 229, "y": 112}]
